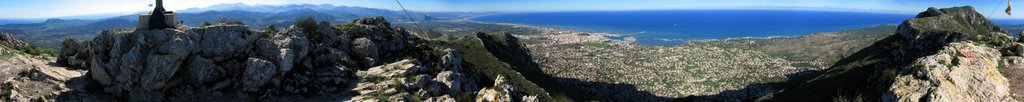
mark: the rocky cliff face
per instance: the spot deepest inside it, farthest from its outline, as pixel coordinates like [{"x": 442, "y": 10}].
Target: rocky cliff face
[
  {"x": 945, "y": 55},
  {"x": 366, "y": 60}
]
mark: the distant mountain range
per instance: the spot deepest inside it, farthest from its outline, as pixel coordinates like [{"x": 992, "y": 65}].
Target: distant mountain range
[{"x": 51, "y": 31}]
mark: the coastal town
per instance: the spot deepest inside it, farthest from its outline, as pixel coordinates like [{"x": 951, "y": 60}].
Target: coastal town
[{"x": 696, "y": 68}]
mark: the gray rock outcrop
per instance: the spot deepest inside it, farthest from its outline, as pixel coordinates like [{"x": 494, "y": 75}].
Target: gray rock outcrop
[
  {"x": 228, "y": 61},
  {"x": 10, "y": 40},
  {"x": 175, "y": 64},
  {"x": 952, "y": 55},
  {"x": 411, "y": 80},
  {"x": 73, "y": 54}
]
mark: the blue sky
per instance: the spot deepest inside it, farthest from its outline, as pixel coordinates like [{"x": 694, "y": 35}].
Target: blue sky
[{"x": 57, "y": 8}]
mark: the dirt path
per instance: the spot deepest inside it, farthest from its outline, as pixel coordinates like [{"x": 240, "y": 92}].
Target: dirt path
[
  {"x": 1015, "y": 75},
  {"x": 26, "y": 78}
]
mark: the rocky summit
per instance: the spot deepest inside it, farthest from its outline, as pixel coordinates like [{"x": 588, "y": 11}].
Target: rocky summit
[
  {"x": 944, "y": 55},
  {"x": 364, "y": 60}
]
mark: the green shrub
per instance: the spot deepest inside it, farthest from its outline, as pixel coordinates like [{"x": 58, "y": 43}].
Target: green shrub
[
  {"x": 31, "y": 50},
  {"x": 310, "y": 27},
  {"x": 271, "y": 29},
  {"x": 39, "y": 51},
  {"x": 205, "y": 24},
  {"x": 307, "y": 24},
  {"x": 6, "y": 90},
  {"x": 5, "y": 54}
]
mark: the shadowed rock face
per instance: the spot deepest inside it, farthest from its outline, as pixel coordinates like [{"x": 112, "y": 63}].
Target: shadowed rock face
[
  {"x": 946, "y": 55},
  {"x": 69, "y": 55},
  {"x": 175, "y": 64}
]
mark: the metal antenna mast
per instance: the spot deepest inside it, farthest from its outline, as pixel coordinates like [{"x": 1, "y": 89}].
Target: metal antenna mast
[
  {"x": 999, "y": 4},
  {"x": 410, "y": 16}
]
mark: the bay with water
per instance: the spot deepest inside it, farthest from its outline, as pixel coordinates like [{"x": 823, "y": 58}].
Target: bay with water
[{"x": 671, "y": 27}]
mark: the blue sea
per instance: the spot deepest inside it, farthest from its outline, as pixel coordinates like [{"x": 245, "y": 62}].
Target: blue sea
[
  {"x": 20, "y": 21},
  {"x": 1010, "y": 22},
  {"x": 671, "y": 27}
]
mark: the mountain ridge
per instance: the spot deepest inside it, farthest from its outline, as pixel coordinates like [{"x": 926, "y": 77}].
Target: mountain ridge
[
  {"x": 949, "y": 54},
  {"x": 50, "y": 33}
]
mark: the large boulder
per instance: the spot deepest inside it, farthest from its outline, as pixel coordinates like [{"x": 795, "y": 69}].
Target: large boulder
[
  {"x": 1014, "y": 49},
  {"x": 284, "y": 48},
  {"x": 217, "y": 42},
  {"x": 165, "y": 61},
  {"x": 452, "y": 60},
  {"x": 366, "y": 51},
  {"x": 456, "y": 83},
  {"x": 72, "y": 54},
  {"x": 1020, "y": 36},
  {"x": 201, "y": 70},
  {"x": 257, "y": 73},
  {"x": 500, "y": 92}
]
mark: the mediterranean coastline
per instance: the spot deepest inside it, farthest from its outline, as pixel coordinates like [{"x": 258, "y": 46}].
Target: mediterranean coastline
[
  {"x": 674, "y": 27},
  {"x": 705, "y": 68}
]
